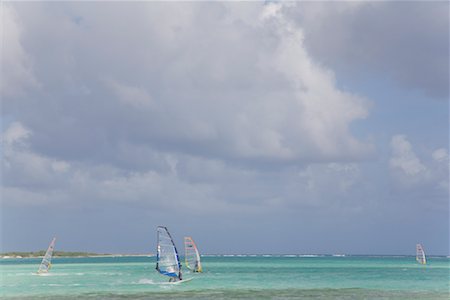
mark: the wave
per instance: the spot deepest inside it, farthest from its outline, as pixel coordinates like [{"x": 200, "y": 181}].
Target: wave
[
  {"x": 52, "y": 274},
  {"x": 152, "y": 282},
  {"x": 146, "y": 281}
]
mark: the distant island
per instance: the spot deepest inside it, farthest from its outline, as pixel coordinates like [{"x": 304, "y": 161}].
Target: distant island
[{"x": 41, "y": 253}]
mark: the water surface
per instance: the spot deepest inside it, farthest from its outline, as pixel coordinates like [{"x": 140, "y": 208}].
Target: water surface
[{"x": 238, "y": 277}]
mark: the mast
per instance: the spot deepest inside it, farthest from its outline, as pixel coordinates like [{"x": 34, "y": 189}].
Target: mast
[{"x": 46, "y": 263}]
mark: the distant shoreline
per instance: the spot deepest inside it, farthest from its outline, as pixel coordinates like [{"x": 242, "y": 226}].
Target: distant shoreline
[
  {"x": 67, "y": 254},
  {"x": 64, "y": 254}
]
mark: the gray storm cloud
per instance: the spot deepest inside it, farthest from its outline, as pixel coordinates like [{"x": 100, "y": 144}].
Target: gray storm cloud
[{"x": 403, "y": 41}]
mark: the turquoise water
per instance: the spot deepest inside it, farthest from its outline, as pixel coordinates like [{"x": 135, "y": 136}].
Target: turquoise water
[{"x": 237, "y": 277}]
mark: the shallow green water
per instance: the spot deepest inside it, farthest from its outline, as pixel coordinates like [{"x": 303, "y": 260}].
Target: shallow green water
[{"x": 235, "y": 277}]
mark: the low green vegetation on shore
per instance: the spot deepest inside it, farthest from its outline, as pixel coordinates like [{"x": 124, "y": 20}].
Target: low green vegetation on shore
[{"x": 55, "y": 254}]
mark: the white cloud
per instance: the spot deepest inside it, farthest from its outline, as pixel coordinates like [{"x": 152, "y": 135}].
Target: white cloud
[
  {"x": 323, "y": 111},
  {"x": 440, "y": 155},
  {"x": 16, "y": 133},
  {"x": 403, "y": 157},
  {"x": 16, "y": 67},
  {"x": 420, "y": 177}
]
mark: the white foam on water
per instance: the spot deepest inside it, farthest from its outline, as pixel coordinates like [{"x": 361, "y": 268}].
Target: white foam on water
[
  {"x": 54, "y": 274},
  {"x": 146, "y": 281},
  {"x": 112, "y": 273},
  {"x": 150, "y": 281},
  {"x": 42, "y": 274}
]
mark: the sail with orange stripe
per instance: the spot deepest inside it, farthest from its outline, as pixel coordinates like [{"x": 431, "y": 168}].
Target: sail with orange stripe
[{"x": 191, "y": 255}]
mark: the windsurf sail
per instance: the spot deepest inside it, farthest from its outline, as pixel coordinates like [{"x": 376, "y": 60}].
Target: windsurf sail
[
  {"x": 46, "y": 263},
  {"x": 420, "y": 255},
  {"x": 191, "y": 255},
  {"x": 167, "y": 260}
]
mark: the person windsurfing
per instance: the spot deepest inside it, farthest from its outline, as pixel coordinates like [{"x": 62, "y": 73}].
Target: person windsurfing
[{"x": 176, "y": 278}]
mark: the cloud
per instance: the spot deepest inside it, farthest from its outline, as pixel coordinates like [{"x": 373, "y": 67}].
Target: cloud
[
  {"x": 409, "y": 46},
  {"x": 440, "y": 155},
  {"x": 426, "y": 177},
  {"x": 130, "y": 95},
  {"x": 404, "y": 159},
  {"x": 16, "y": 67},
  {"x": 179, "y": 184},
  {"x": 215, "y": 111},
  {"x": 441, "y": 167},
  {"x": 22, "y": 168},
  {"x": 180, "y": 84},
  {"x": 16, "y": 133}
]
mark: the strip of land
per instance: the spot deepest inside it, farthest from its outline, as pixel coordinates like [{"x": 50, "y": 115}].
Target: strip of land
[{"x": 41, "y": 253}]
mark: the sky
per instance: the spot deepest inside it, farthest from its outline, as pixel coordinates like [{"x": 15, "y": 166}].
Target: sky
[{"x": 254, "y": 127}]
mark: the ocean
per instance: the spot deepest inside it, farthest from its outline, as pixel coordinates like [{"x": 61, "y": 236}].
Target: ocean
[{"x": 230, "y": 277}]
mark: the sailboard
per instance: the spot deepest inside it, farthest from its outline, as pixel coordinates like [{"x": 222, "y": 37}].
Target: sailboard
[
  {"x": 46, "y": 263},
  {"x": 420, "y": 255},
  {"x": 191, "y": 255},
  {"x": 182, "y": 281},
  {"x": 167, "y": 260}
]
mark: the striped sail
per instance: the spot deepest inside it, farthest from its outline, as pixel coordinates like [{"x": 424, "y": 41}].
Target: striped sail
[
  {"x": 191, "y": 255},
  {"x": 46, "y": 263},
  {"x": 167, "y": 261},
  {"x": 420, "y": 255}
]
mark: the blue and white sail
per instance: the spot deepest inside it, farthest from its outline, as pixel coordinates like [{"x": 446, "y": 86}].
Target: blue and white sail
[
  {"x": 167, "y": 260},
  {"x": 46, "y": 263}
]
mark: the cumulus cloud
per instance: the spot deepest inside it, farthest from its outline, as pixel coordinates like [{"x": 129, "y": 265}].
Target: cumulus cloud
[
  {"x": 419, "y": 176},
  {"x": 180, "y": 184},
  {"x": 16, "y": 133},
  {"x": 440, "y": 155},
  {"x": 219, "y": 84},
  {"x": 404, "y": 158}
]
